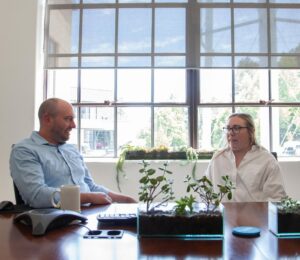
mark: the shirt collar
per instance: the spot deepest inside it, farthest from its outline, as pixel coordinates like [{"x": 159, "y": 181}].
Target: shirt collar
[{"x": 35, "y": 136}]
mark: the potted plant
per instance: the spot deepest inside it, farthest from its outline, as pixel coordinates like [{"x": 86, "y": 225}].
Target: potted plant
[
  {"x": 161, "y": 152},
  {"x": 153, "y": 185},
  {"x": 284, "y": 217},
  {"x": 127, "y": 152},
  {"x": 184, "y": 218}
]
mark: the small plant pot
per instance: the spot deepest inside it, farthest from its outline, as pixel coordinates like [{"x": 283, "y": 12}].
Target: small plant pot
[
  {"x": 135, "y": 155},
  {"x": 164, "y": 155},
  {"x": 281, "y": 223},
  {"x": 163, "y": 222},
  {"x": 205, "y": 155},
  {"x": 177, "y": 155},
  {"x": 161, "y": 155}
]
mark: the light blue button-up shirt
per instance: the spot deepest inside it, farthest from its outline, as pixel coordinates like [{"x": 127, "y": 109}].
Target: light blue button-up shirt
[{"x": 39, "y": 168}]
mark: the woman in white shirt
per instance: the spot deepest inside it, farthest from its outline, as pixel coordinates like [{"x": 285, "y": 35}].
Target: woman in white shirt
[{"x": 253, "y": 170}]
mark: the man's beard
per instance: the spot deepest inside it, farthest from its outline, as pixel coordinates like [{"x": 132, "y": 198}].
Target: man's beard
[{"x": 61, "y": 139}]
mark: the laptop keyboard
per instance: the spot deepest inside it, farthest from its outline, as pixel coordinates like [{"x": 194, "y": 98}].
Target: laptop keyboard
[{"x": 117, "y": 218}]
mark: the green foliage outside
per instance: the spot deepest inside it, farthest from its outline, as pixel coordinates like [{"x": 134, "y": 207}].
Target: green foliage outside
[{"x": 170, "y": 126}]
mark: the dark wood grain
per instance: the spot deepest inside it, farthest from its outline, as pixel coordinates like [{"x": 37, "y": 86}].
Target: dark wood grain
[{"x": 68, "y": 243}]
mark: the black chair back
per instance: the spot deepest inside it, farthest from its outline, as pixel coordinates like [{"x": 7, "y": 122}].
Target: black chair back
[
  {"x": 275, "y": 154},
  {"x": 19, "y": 200}
]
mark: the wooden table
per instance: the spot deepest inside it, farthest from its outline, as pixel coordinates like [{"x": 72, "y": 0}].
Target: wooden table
[{"x": 68, "y": 242}]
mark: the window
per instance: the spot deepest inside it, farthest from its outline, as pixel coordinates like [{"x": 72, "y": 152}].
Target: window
[{"x": 169, "y": 72}]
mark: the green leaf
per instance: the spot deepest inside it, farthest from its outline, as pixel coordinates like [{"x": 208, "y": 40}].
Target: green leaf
[
  {"x": 229, "y": 196},
  {"x": 223, "y": 189},
  {"x": 153, "y": 181},
  {"x": 150, "y": 171},
  {"x": 160, "y": 178},
  {"x": 144, "y": 179},
  {"x": 165, "y": 186}
]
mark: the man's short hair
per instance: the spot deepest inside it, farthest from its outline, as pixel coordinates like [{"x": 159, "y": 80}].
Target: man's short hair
[{"x": 49, "y": 106}]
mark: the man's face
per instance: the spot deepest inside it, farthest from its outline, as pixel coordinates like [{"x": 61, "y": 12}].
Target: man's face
[
  {"x": 238, "y": 141},
  {"x": 62, "y": 123}
]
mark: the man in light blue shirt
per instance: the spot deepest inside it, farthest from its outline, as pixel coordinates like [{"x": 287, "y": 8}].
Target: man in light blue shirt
[{"x": 40, "y": 164}]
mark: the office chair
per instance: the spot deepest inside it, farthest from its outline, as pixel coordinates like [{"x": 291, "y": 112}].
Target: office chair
[
  {"x": 19, "y": 200},
  {"x": 275, "y": 155}
]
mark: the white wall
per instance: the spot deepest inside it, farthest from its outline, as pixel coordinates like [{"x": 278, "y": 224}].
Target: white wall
[
  {"x": 105, "y": 173},
  {"x": 18, "y": 46},
  {"x": 20, "y": 80}
]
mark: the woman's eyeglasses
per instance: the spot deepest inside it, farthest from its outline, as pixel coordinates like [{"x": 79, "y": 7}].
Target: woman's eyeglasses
[{"x": 235, "y": 129}]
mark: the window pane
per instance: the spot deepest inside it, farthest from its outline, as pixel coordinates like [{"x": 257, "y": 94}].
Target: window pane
[
  {"x": 134, "y": 1},
  {"x": 97, "y": 61},
  {"x": 261, "y": 121},
  {"x": 249, "y": 1},
  {"x": 98, "y": 1},
  {"x": 97, "y": 85},
  {"x": 251, "y": 62},
  {"x": 210, "y": 127},
  {"x": 170, "y": 30},
  {"x": 250, "y": 28},
  {"x": 174, "y": 61},
  {"x": 285, "y": 85},
  {"x": 216, "y": 61},
  {"x": 134, "y": 61},
  {"x": 215, "y": 33},
  {"x": 251, "y": 85},
  {"x": 97, "y": 131},
  {"x": 98, "y": 31},
  {"x": 285, "y": 61},
  {"x": 134, "y": 85},
  {"x": 170, "y": 1},
  {"x": 214, "y": 81},
  {"x": 63, "y": 2},
  {"x": 286, "y": 131},
  {"x": 169, "y": 85},
  {"x": 285, "y": 24},
  {"x": 285, "y": 1},
  {"x": 134, "y": 126},
  {"x": 213, "y": 1},
  {"x": 62, "y": 84},
  {"x": 134, "y": 30},
  {"x": 171, "y": 127},
  {"x": 63, "y": 31}
]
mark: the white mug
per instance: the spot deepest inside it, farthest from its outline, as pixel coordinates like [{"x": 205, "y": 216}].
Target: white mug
[{"x": 69, "y": 198}]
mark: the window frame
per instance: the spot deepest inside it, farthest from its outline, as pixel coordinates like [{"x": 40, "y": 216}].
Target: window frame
[{"x": 192, "y": 66}]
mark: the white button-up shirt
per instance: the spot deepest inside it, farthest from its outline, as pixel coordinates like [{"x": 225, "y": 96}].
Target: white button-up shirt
[{"x": 257, "y": 178}]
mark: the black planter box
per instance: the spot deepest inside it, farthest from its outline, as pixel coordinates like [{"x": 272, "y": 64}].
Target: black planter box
[
  {"x": 163, "y": 155},
  {"x": 281, "y": 223},
  {"x": 164, "y": 223}
]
